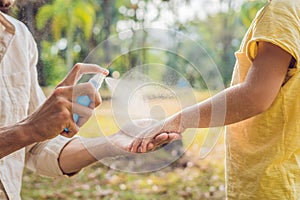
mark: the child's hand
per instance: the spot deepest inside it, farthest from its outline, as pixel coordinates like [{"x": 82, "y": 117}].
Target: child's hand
[
  {"x": 132, "y": 132},
  {"x": 157, "y": 134}
]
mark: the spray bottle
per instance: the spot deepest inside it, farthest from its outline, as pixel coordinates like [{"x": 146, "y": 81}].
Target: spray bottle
[{"x": 85, "y": 100}]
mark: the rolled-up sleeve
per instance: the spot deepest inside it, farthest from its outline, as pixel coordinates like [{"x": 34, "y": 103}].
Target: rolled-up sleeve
[{"x": 42, "y": 158}]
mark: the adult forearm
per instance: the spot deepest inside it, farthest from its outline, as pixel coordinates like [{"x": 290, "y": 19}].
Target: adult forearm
[{"x": 13, "y": 138}]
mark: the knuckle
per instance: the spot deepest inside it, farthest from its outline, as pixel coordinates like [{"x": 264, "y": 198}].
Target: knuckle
[
  {"x": 58, "y": 91},
  {"x": 64, "y": 114},
  {"x": 61, "y": 102},
  {"x": 77, "y": 67}
]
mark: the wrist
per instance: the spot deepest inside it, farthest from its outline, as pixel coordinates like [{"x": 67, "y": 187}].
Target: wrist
[
  {"x": 177, "y": 123},
  {"x": 25, "y": 133},
  {"x": 13, "y": 138}
]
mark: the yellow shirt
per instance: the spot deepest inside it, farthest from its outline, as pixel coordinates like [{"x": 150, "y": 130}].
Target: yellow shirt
[{"x": 263, "y": 152}]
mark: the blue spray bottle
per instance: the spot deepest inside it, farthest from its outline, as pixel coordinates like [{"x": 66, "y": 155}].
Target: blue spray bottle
[{"x": 85, "y": 100}]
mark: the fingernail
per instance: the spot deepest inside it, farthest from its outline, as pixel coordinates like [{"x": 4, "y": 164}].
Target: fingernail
[{"x": 105, "y": 72}]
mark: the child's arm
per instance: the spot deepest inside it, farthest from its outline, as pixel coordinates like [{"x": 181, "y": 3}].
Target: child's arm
[{"x": 252, "y": 97}]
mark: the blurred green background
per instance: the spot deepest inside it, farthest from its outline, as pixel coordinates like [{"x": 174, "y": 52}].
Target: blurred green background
[{"x": 67, "y": 30}]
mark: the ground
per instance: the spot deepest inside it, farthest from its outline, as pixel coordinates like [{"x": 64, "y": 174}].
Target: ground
[{"x": 189, "y": 177}]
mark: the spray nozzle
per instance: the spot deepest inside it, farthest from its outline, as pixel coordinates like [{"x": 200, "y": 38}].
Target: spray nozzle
[{"x": 97, "y": 80}]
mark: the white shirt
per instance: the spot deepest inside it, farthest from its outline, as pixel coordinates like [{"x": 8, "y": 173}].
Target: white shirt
[{"x": 20, "y": 95}]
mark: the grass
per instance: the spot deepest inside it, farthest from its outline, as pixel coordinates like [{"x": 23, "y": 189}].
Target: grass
[{"x": 189, "y": 177}]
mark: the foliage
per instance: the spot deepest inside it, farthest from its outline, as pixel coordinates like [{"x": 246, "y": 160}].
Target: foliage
[
  {"x": 66, "y": 14},
  {"x": 54, "y": 66},
  {"x": 85, "y": 24},
  {"x": 66, "y": 19},
  {"x": 249, "y": 10}
]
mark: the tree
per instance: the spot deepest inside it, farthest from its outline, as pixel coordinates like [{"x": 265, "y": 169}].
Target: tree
[
  {"x": 220, "y": 33},
  {"x": 249, "y": 10},
  {"x": 26, "y": 12},
  {"x": 67, "y": 18}
]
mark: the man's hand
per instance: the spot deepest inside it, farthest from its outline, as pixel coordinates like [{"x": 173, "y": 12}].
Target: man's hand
[{"x": 57, "y": 112}]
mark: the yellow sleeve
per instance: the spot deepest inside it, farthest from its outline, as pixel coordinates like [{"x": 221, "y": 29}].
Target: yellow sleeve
[{"x": 279, "y": 24}]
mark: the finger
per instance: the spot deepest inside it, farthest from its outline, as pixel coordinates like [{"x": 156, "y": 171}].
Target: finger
[
  {"x": 83, "y": 112},
  {"x": 87, "y": 89},
  {"x": 174, "y": 136},
  {"x": 135, "y": 145},
  {"x": 150, "y": 146},
  {"x": 70, "y": 133},
  {"x": 72, "y": 130},
  {"x": 164, "y": 138},
  {"x": 84, "y": 89},
  {"x": 160, "y": 138},
  {"x": 144, "y": 144},
  {"x": 78, "y": 70},
  {"x": 96, "y": 101},
  {"x": 139, "y": 149}
]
